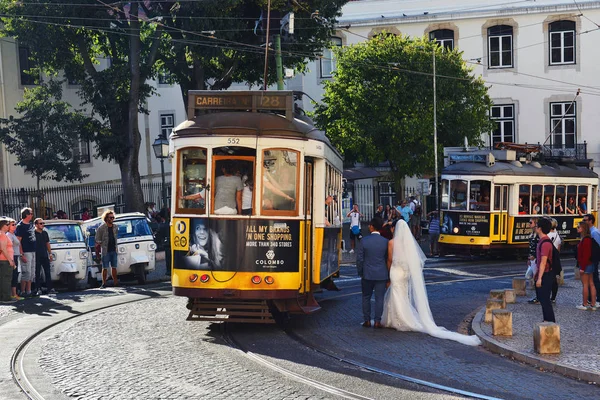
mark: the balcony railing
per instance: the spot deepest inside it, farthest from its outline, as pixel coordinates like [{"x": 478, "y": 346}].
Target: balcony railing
[{"x": 554, "y": 151}]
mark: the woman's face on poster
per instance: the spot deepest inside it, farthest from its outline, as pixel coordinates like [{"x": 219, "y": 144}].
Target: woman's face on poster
[{"x": 201, "y": 235}]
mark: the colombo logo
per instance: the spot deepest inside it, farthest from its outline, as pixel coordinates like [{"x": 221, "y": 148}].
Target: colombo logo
[{"x": 270, "y": 254}]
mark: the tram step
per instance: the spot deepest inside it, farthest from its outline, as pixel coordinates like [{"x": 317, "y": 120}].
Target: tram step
[{"x": 257, "y": 312}]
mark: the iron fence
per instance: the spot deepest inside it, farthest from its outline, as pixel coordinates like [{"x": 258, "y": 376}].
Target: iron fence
[{"x": 73, "y": 199}]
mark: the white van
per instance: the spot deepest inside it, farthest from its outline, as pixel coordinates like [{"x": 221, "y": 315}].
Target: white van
[
  {"x": 69, "y": 252},
  {"x": 135, "y": 247}
]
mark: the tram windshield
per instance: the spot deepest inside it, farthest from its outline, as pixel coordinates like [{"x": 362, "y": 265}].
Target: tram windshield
[{"x": 279, "y": 181}]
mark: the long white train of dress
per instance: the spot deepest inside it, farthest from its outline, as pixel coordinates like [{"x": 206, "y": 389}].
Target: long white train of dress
[{"x": 406, "y": 306}]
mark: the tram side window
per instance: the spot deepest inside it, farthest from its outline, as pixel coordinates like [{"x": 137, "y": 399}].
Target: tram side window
[
  {"x": 548, "y": 206},
  {"x": 445, "y": 191},
  {"x": 458, "y": 195},
  {"x": 524, "y": 199},
  {"x": 536, "y": 199},
  {"x": 559, "y": 201},
  {"x": 582, "y": 203},
  {"x": 280, "y": 182},
  {"x": 333, "y": 186},
  {"x": 571, "y": 207},
  {"x": 191, "y": 180},
  {"x": 479, "y": 199}
]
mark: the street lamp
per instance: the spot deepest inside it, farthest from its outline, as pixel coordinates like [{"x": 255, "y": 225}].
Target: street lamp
[{"x": 161, "y": 151}]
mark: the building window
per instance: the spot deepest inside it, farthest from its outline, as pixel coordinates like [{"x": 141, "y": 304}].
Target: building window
[
  {"x": 81, "y": 152},
  {"x": 167, "y": 123},
  {"x": 500, "y": 46},
  {"x": 563, "y": 123},
  {"x": 562, "y": 42},
  {"x": 25, "y": 65},
  {"x": 165, "y": 78},
  {"x": 444, "y": 37},
  {"x": 504, "y": 116},
  {"x": 387, "y": 194},
  {"x": 328, "y": 61}
]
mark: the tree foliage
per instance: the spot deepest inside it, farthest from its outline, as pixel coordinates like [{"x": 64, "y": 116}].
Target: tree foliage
[
  {"x": 43, "y": 136},
  {"x": 114, "y": 49},
  {"x": 379, "y": 106}
]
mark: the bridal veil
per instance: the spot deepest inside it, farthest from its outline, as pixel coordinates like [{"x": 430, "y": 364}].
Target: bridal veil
[{"x": 408, "y": 253}]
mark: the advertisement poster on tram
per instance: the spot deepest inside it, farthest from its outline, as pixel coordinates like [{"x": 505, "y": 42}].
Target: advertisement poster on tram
[
  {"x": 466, "y": 224},
  {"x": 236, "y": 245},
  {"x": 567, "y": 228}
]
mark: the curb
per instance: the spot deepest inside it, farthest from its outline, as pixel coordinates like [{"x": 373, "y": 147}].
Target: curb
[{"x": 537, "y": 361}]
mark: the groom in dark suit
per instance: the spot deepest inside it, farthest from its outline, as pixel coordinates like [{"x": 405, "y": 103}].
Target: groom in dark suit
[{"x": 371, "y": 262}]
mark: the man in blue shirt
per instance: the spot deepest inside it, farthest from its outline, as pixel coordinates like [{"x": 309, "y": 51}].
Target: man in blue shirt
[{"x": 591, "y": 221}]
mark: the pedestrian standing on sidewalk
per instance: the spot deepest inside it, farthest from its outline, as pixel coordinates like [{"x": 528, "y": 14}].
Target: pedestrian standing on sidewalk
[
  {"x": 43, "y": 256},
  {"x": 434, "y": 232},
  {"x": 7, "y": 263},
  {"x": 12, "y": 227},
  {"x": 354, "y": 226},
  {"x": 544, "y": 276},
  {"x": 595, "y": 233},
  {"x": 106, "y": 241},
  {"x": 586, "y": 267},
  {"x": 26, "y": 234},
  {"x": 533, "y": 242},
  {"x": 557, "y": 242}
]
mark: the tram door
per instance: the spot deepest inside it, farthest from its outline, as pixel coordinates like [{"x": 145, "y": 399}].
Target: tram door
[
  {"x": 308, "y": 226},
  {"x": 500, "y": 214}
]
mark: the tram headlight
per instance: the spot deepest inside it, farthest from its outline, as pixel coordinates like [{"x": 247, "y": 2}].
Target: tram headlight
[
  {"x": 256, "y": 279},
  {"x": 455, "y": 230},
  {"x": 204, "y": 278},
  {"x": 269, "y": 280},
  {"x": 193, "y": 278}
]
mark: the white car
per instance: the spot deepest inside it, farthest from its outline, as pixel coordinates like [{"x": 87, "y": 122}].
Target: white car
[{"x": 69, "y": 252}]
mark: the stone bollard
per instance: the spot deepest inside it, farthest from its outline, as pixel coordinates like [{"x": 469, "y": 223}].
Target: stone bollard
[
  {"x": 498, "y": 295},
  {"x": 546, "y": 338},
  {"x": 502, "y": 323},
  {"x": 519, "y": 285},
  {"x": 490, "y": 305},
  {"x": 577, "y": 273},
  {"x": 560, "y": 279},
  {"x": 509, "y": 296}
]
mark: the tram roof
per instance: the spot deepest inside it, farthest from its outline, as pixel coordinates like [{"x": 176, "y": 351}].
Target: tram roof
[
  {"x": 508, "y": 168},
  {"x": 251, "y": 123}
]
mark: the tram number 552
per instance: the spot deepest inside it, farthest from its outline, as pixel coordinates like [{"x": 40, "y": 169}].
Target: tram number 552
[{"x": 233, "y": 140}]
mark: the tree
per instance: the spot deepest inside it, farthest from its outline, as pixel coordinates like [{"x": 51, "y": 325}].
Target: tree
[
  {"x": 218, "y": 42},
  {"x": 139, "y": 40},
  {"x": 379, "y": 106},
  {"x": 44, "y": 136}
]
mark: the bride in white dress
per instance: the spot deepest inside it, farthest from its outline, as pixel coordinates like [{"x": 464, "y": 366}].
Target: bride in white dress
[{"x": 406, "y": 307}]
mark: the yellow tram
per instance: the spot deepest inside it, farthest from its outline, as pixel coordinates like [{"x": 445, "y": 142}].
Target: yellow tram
[
  {"x": 488, "y": 198},
  {"x": 256, "y": 226}
]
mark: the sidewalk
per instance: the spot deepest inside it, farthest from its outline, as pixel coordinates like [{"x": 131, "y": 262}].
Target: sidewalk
[{"x": 579, "y": 343}]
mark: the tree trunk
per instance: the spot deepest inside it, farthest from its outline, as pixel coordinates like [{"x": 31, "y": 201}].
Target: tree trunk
[{"x": 130, "y": 173}]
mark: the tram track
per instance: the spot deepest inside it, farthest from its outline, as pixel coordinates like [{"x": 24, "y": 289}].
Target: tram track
[{"x": 25, "y": 384}]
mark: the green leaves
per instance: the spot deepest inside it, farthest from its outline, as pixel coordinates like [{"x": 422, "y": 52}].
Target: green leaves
[{"x": 379, "y": 106}]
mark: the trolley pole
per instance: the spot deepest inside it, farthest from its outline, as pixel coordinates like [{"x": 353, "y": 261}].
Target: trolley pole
[
  {"x": 435, "y": 145},
  {"x": 278, "y": 63}
]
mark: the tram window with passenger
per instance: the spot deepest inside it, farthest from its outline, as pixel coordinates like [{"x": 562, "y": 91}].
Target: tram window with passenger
[
  {"x": 280, "y": 173},
  {"x": 524, "y": 199},
  {"x": 582, "y": 204},
  {"x": 191, "y": 181},
  {"x": 480, "y": 195},
  {"x": 548, "y": 206},
  {"x": 232, "y": 167},
  {"x": 571, "y": 207},
  {"x": 536, "y": 199},
  {"x": 458, "y": 195}
]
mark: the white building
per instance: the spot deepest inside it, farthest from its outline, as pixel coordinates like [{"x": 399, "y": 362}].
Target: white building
[{"x": 535, "y": 55}]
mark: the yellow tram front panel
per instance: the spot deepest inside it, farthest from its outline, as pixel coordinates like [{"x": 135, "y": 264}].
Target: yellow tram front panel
[
  {"x": 327, "y": 250},
  {"x": 240, "y": 254}
]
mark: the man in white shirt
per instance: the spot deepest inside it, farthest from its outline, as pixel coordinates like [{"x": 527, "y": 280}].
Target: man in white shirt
[{"x": 354, "y": 226}]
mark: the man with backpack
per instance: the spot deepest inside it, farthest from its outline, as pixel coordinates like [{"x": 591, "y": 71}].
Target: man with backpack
[
  {"x": 415, "y": 218},
  {"x": 548, "y": 265},
  {"x": 595, "y": 233}
]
